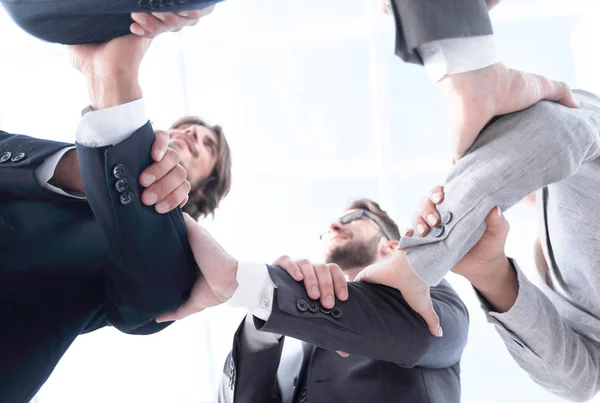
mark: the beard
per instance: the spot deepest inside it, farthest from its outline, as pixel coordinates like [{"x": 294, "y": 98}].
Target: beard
[{"x": 353, "y": 253}]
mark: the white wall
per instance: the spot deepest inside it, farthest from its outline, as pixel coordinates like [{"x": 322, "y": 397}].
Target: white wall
[{"x": 317, "y": 111}]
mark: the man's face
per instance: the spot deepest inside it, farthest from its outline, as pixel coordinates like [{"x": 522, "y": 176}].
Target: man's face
[
  {"x": 198, "y": 148},
  {"x": 352, "y": 245}
]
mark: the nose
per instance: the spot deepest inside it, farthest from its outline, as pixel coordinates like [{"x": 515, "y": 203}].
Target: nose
[
  {"x": 193, "y": 133},
  {"x": 335, "y": 226}
]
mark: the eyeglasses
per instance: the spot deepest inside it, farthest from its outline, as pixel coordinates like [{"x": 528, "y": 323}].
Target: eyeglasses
[{"x": 359, "y": 214}]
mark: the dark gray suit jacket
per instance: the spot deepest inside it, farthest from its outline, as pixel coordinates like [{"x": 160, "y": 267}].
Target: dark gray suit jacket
[
  {"x": 421, "y": 21},
  {"x": 393, "y": 358}
]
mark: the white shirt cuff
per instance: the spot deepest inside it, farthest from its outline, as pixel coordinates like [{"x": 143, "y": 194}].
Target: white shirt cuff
[
  {"x": 458, "y": 55},
  {"x": 255, "y": 290},
  {"x": 255, "y": 340},
  {"x": 111, "y": 126},
  {"x": 45, "y": 172}
]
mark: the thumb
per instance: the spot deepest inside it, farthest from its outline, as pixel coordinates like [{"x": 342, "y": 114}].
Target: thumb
[
  {"x": 187, "y": 309},
  {"x": 431, "y": 318},
  {"x": 497, "y": 223}
]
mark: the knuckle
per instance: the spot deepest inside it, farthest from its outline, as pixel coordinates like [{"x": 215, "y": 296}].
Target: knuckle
[
  {"x": 303, "y": 262},
  {"x": 173, "y": 156}
]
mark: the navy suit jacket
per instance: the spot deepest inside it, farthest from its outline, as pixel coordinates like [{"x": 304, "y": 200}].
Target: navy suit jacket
[
  {"x": 69, "y": 266},
  {"x": 86, "y": 21}
]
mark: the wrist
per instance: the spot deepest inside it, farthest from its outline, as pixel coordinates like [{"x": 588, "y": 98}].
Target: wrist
[
  {"x": 499, "y": 286},
  {"x": 112, "y": 88},
  {"x": 66, "y": 175}
]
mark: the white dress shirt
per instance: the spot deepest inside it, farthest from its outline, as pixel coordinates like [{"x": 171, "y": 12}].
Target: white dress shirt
[{"x": 458, "y": 55}]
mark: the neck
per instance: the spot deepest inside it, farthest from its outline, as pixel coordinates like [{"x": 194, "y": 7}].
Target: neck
[{"x": 351, "y": 273}]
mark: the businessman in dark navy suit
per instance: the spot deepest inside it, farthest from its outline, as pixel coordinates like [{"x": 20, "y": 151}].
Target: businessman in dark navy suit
[{"x": 71, "y": 266}]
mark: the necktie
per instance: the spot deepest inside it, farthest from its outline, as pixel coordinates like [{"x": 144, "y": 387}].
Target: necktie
[{"x": 302, "y": 395}]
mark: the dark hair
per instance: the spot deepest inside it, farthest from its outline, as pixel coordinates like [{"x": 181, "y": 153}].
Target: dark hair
[
  {"x": 204, "y": 197},
  {"x": 384, "y": 219}
]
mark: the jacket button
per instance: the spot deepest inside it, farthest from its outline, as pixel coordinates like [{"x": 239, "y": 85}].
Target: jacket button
[
  {"x": 313, "y": 307},
  {"x": 121, "y": 185},
  {"x": 325, "y": 311},
  {"x": 119, "y": 171},
  {"x": 336, "y": 312},
  {"x": 302, "y": 305},
  {"x": 143, "y": 4},
  {"x": 5, "y": 156},
  {"x": 17, "y": 157},
  {"x": 438, "y": 231},
  {"x": 126, "y": 198},
  {"x": 181, "y": 1},
  {"x": 446, "y": 218}
]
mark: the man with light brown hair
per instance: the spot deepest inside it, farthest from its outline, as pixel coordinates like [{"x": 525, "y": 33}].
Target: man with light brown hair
[{"x": 206, "y": 156}]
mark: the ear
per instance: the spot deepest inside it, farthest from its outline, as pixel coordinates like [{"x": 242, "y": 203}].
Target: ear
[{"x": 387, "y": 247}]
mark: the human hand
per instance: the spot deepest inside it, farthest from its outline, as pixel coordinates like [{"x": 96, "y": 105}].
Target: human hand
[
  {"x": 486, "y": 254},
  {"x": 320, "y": 280},
  {"x": 150, "y": 25},
  {"x": 217, "y": 278},
  {"x": 396, "y": 272},
  {"x": 122, "y": 55},
  {"x": 165, "y": 180},
  {"x": 477, "y": 96}
]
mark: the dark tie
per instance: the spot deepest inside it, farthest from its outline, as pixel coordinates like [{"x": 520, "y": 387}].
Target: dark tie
[
  {"x": 302, "y": 395},
  {"x": 302, "y": 386}
]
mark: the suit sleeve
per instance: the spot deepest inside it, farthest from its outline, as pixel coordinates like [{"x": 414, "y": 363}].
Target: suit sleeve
[
  {"x": 153, "y": 268},
  {"x": 374, "y": 322},
  {"x": 553, "y": 354},
  {"x": 514, "y": 156},
  {"x": 22, "y": 155},
  {"x": 422, "y": 21},
  {"x": 250, "y": 376}
]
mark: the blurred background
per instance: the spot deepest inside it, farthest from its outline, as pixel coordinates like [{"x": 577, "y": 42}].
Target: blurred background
[{"x": 318, "y": 111}]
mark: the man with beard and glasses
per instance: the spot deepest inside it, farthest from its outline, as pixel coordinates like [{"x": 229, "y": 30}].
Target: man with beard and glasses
[{"x": 392, "y": 357}]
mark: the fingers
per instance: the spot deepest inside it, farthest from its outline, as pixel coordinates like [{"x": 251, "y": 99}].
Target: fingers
[
  {"x": 343, "y": 353},
  {"x": 340, "y": 285},
  {"x": 322, "y": 281},
  {"x": 174, "y": 199},
  {"x": 287, "y": 264},
  {"x": 187, "y": 309},
  {"x": 557, "y": 91},
  {"x": 408, "y": 232},
  {"x": 420, "y": 225},
  {"x": 159, "y": 169},
  {"x": 325, "y": 285},
  {"x": 428, "y": 212},
  {"x": 310, "y": 278},
  {"x": 166, "y": 182},
  {"x": 497, "y": 223},
  {"x": 150, "y": 25},
  {"x": 437, "y": 194},
  {"x": 160, "y": 145},
  {"x": 430, "y": 317}
]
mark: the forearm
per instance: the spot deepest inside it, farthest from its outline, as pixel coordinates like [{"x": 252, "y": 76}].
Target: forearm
[
  {"x": 374, "y": 322},
  {"x": 516, "y": 155},
  {"x": 23, "y": 156},
  {"x": 556, "y": 357},
  {"x": 113, "y": 88},
  {"x": 498, "y": 285}
]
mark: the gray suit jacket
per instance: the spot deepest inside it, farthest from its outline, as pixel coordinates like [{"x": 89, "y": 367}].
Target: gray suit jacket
[
  {"x": 421, "y": 21},
  {"x": 393, "y": 357},
  {"x": 553, "y": 333}
]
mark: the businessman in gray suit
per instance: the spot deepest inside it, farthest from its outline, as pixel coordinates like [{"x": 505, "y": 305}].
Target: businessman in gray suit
[
  {"x": 553, "y": 332},
  {"x": 399, "y": 362}
]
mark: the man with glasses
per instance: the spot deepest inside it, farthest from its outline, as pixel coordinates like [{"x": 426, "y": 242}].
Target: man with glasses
[{"x": 392, "y": 357}]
